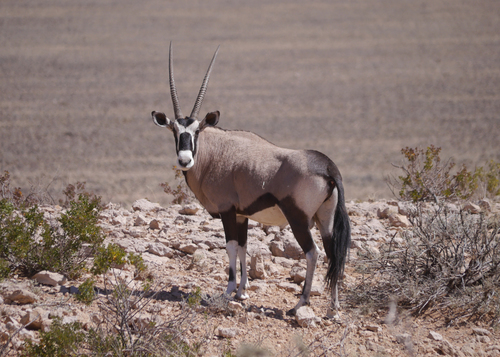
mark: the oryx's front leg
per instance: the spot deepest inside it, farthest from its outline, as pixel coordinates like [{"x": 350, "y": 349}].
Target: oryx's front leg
[
  {"x": 242, "y": 223},
  {"x": 235, "y": 229}
]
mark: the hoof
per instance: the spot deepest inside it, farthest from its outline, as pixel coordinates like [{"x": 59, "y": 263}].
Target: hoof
[{"x": 291, "y": 312}]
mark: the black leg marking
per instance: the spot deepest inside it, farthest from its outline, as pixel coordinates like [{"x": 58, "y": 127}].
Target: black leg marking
[{"x": 299, "y": 222}]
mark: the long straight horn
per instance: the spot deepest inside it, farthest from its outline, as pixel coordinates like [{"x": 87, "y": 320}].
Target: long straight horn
[
  {"x": 203, "y": 89},
  {"x": 173, "y": 91}
]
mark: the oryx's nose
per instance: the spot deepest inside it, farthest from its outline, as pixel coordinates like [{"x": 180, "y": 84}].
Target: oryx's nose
[{"x": 185, "y": 159}]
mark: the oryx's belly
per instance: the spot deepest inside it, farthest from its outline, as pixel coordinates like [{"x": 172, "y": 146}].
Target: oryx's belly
[{"x": 272, "y": 216}]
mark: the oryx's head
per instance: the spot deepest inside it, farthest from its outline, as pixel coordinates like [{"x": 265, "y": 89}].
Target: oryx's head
[{"x": 186, "y": 129}]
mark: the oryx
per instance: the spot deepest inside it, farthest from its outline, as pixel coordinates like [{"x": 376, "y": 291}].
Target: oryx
[{"x": 237, "y": 175}]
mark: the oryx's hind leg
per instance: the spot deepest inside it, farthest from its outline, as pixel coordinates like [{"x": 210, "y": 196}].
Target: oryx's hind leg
[
  {"x": 235, "y": 229},
  {"x": 242, "y": 223},
  {"x": 324, "y": 219},
  {"x": 299, "y": 223}
]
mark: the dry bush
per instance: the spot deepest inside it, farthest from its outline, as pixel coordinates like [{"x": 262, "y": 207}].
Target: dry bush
[{"x": 447, "y": 262}]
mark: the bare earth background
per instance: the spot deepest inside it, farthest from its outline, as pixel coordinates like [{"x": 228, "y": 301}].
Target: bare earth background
[{"x": 357, "y": 80}]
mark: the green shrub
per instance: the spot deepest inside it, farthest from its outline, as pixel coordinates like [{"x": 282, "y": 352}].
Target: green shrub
[
  {"x": 426, "y": 178},
  {"x": 60, "y": 341},
  {"x": 29, "y": 243},
  {"x": 86, "y": 292}
]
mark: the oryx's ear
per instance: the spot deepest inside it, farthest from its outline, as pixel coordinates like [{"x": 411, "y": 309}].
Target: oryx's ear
[
  {"x": 161, "y": 119},
  {"x": 211, "y": 119}
]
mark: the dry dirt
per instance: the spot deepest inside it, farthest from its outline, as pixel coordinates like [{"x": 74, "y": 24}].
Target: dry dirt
[{"x": 357, "y": 80}]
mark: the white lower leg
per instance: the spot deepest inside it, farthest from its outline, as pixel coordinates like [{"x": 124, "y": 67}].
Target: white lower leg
[
  {"x": 232, "y": 252},
  {"x": 335, "y": 296},
  {"x": 242, "y": 254}
]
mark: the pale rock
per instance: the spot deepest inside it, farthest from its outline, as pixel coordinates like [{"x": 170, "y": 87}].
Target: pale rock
[
  {"x": 317, "y": 290},
  {"x": 144, "y": 205},
  {"x": 140, "y": 220},
  {"x": 472, "y": 208},
  {"x": 403, "y": 338},
  {"x": 305, "y": 317},
  {"x": 277, "y": 248},
  {"x": 284, "y": 262},
  {"x": 189, "y": 248},
  {"x": 398, "y": 220},
  {"x": 293, "y": 288},
  {"x": 483, "y": 339},
  {"x": 405, "y": 208},
  {"x": 22, "y": 297},
  {"x": 257, "y": 267},
  {"x": 160, "y": 249},
  {"x": 33, "y": 319},
  {"x": 119, "y": 220},
  {"x": 375, "y": 225},
  {"x": 481, "y": 331},
  {"x": 198, "y": 259},
  {"x": 298, "y": 274},
  {"x": 435, "y": 336},
  {"x": 49, "y": 278},
  {"x": 292, "y": 248},
  {"x": 446, "y": 348},
  {"x": 189, "y": 209},
  {"x": 258, "y": 287},
  {"x": 385, "y": 211},
  {"x": 235, "y": 307},
  {"x": 227, "y": 332}
]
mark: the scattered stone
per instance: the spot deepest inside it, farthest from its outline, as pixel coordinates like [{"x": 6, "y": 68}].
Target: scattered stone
[
  {"x": 33, "y": 319},
  {"x": 317, "y": 290},
  {"x": 444, "y": 347},
  {"x": 385, "y": 212},
  {"x": 189, "y": 248},
  {"x": 435, "y": 336},
  {"x": 293, "y": 288},
  {"x": 144, "y": 205},
  {"x": 22, "y": 297},
  {"x": 257, "y": 267},
  {"x": 235, "y": 307},
  {"x": 298, "y": 274},
  {"x": 140, "y": 220},
  {"x": 119, "y": 220},
  {"x": 481, "y": 331},
  {"x": 154, "y": 224},
  {"x": 160, "y": 249},
  {"x": 49, "y": 278},
  {"x": 305, "y": 317},
  {"x": 189, "y": 209},
  {"x": 227, "y": 332},
  {"x": 403, "y": 338},
  {"x": 398, "y": 220}
]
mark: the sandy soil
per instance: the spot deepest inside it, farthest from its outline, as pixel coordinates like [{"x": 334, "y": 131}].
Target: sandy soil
[{"x": 357, "y": 80}]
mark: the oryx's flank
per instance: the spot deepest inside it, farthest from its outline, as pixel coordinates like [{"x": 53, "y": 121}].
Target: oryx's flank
[{"x": 237, "y": 175}]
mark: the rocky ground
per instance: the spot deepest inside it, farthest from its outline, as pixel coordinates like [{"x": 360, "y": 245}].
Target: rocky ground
[{"x": 184, "y": 248}]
